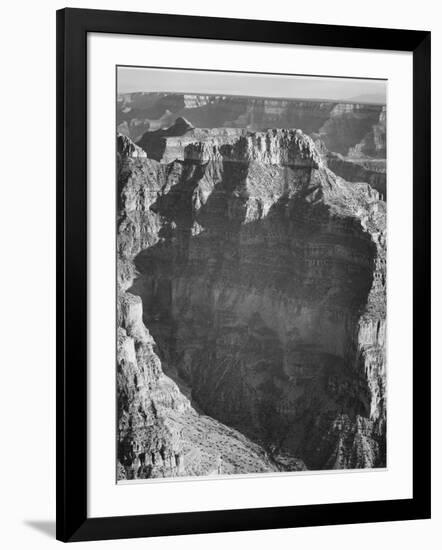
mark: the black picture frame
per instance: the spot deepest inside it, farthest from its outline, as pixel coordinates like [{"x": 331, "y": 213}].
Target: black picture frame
[{"x": 73, "y": 25}]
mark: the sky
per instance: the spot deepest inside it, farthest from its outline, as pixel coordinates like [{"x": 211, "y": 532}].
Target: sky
[{"x": 143, "y": 79}]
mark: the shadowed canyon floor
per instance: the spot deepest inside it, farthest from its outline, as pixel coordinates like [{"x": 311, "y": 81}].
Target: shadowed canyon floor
[{"x": 251, "y": 306}]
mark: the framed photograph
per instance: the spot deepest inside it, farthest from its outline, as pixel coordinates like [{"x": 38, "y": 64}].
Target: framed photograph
[{"x": 243, "y": 298}]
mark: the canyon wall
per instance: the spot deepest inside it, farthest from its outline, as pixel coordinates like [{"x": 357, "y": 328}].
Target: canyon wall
[
  {"x": 159, "y": 432},
  {"x": 253, "y": 276},
  {"x": 372, "y": 171},
  {"x": 355, "y": 129}
]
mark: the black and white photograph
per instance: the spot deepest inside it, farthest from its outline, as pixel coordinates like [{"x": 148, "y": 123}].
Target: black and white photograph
[
  {"x": 220, "y": 236},
  {"x": 251, "y": 273}
]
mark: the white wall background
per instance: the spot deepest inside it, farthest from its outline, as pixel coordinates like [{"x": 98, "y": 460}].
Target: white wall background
[{"x": 27, "y": 232}]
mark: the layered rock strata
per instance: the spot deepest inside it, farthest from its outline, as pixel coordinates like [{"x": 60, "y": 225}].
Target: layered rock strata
[
  {"x": 355, "y": 129},
  {"x": 371, "y": 171},
  {"x": 260, "y": 276},
  {"x": 159, "y": 432}
]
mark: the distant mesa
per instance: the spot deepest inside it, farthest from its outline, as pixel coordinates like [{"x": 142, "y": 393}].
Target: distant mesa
[
  {"x": 367, "y": 98},
  {"x": 355, "y": 128}
]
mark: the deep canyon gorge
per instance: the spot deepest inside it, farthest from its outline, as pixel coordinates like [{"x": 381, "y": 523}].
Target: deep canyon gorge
[{"x": 251, "y": 292}]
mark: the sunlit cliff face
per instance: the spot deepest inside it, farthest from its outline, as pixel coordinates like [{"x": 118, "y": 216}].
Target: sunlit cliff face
[
  {"x": 355, "y": 129},
  {"x": 261, "y": 276}
]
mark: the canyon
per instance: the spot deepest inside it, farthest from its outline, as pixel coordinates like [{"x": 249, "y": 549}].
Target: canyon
[
  {"x": 351, "y": 128},
  {"x": 251, "y": 285},
  {"x": 353, "y": 133}
]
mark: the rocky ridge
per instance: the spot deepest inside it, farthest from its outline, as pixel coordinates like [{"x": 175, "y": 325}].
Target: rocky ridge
[
  {"x": 260, "y": 275},
  {"x": 352, "y": 128},
  {"x": 160, "y": 434}
]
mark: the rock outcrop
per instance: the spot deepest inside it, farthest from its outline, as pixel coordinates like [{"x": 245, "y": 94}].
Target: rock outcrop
[
  {"x": 254, "y": 276},
  {"x": 372, "y": 171},
  {"x": 374, "y": 143},
  {"x": 160, "y": 434},
  {"x": 355, "y": 129},
  {"x": 351, "y": 127}
]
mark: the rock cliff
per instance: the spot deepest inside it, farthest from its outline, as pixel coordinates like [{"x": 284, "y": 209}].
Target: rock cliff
[
  {"x": 355, "y": 129},
  {"x": 372, "y": 171},
  {"x": 160, "y": 434},
  {"x": 253, "y": 276}
]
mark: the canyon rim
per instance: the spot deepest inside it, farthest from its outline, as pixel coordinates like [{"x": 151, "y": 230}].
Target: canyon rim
[{"x": 251, "y": 278}]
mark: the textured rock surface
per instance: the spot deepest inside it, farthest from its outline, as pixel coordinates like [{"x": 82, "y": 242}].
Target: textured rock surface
[
  {"x": 374, "y": 143},
  {"x": 356, "y": 129},
  {"x": 160, "y": 434},
  {"x": 371, "y": 171},
  {"x": 261, "y": 281}
]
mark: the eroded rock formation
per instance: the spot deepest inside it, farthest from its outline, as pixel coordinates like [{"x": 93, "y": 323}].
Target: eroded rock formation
[
  {"x": 253, "y": 276},
  {"x": 355, "y": 129},
  {"x": 160, "y": 434},
  {"x": 372, "y": 171}
]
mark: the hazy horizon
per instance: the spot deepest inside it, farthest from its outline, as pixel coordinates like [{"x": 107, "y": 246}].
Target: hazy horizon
[{"x": 153, "y": 80}]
